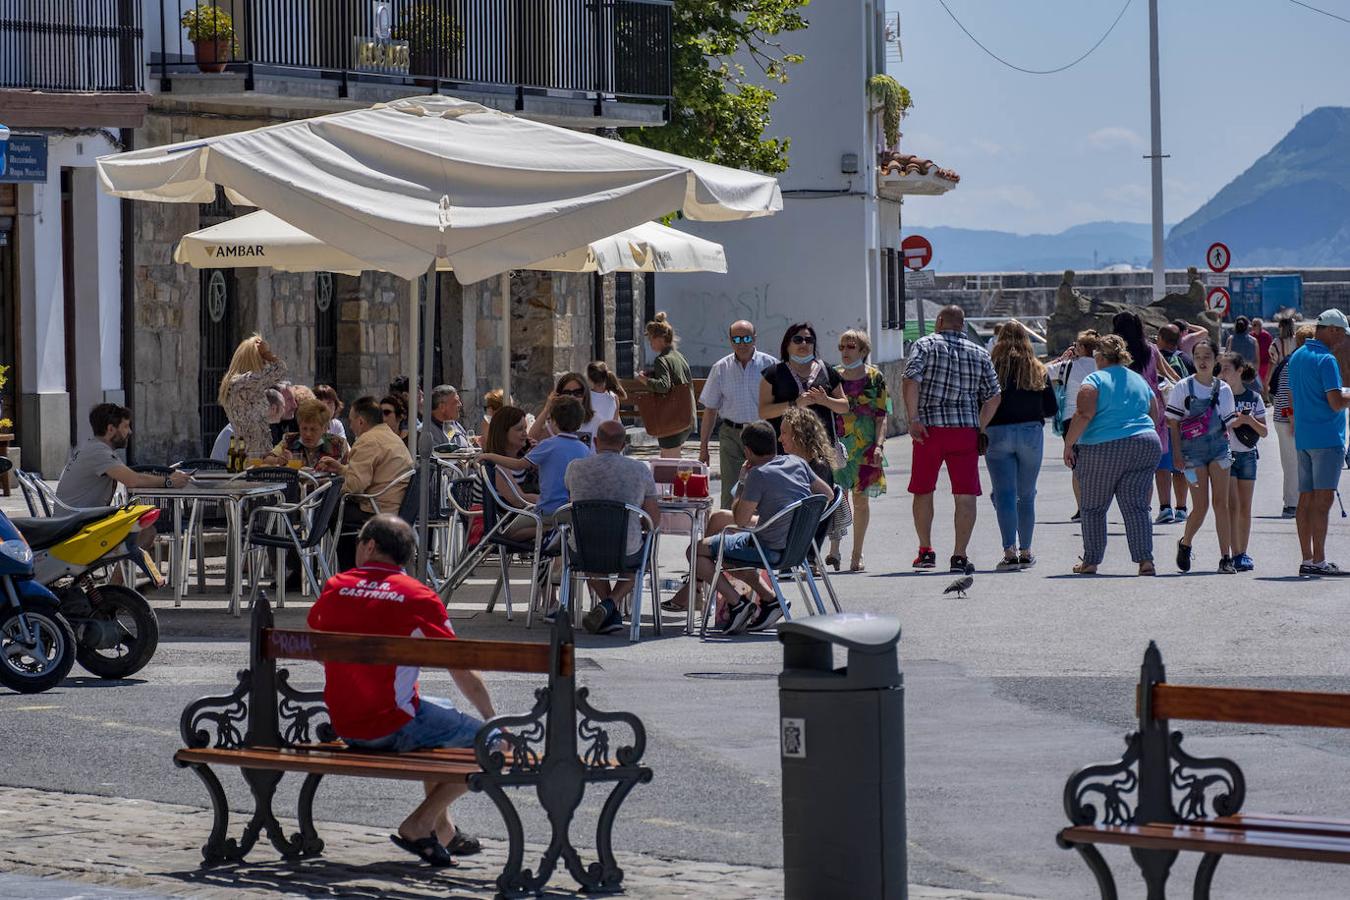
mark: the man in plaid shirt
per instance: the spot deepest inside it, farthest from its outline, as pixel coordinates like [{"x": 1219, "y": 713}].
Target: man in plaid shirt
[{"x": 951, "y": 392}]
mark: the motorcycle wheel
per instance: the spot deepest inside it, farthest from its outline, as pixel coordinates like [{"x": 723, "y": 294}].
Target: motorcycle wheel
[
  {"x": 30, "y": 670},
  {"x": 134, "y": 618}
]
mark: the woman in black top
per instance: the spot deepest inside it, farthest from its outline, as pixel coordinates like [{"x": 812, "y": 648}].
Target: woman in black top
[
  {"x": 1016, "y": 441},
  {"x": 801, "y": 380}
]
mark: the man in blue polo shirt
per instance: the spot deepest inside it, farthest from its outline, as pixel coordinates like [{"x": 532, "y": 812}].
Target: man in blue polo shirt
[{"x": 1320, "y": 401}]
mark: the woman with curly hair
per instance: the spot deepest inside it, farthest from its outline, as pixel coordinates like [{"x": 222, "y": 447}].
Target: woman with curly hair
[{"x": 802, "y": 436}]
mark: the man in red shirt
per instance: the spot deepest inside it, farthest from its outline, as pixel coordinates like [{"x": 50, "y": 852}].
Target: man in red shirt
[{"x": 377, "y": 707}]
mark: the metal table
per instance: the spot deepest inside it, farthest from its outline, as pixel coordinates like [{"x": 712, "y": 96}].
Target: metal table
[
  {"x": 231, "y": 494},
  {"x": 697, "y": 509}
]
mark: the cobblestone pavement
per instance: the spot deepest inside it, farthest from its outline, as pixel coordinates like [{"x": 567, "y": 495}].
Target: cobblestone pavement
[{"x": 141, "y": 848}]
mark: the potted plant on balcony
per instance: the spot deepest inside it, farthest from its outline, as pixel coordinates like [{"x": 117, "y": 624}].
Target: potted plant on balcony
[
  {"x": 433, "y": 37},
  {"x": 211, "y": 31}
]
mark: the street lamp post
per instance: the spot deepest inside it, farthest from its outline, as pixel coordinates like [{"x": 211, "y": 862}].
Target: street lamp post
[{"x": 1155, "y": 156}]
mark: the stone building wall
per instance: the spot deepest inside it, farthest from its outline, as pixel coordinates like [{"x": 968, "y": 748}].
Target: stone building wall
[{"x": 551, "y": 316}]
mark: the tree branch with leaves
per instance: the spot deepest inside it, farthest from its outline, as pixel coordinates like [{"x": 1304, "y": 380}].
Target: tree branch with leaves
[{"x": 719, "y": 113}]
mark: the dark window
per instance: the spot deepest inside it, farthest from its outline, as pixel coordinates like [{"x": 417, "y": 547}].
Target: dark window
[
  {"x": 624, "y": 325},
  {"x": 219, "y": 338},
  {"x": 891, "y": 265},
  {"x": 325, "y": 330}
]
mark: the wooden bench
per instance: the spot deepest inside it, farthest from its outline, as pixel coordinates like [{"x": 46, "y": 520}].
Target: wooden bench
[
  {"x": 266, "y": 728},
  {"x": 1160, "y": 801}
]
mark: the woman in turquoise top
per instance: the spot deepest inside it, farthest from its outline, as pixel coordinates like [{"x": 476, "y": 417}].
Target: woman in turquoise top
[{"x": 1112, "y": 445}]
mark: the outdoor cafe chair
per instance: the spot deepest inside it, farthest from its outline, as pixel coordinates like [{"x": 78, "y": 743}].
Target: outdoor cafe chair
[
  {"x": 794, "y": 560},
  {"x": 595, "y": 544},
  {"x": 300, "y": 526},
  {"x": 376, "y": 502},
  {"x": 37, "y": 494},
  {"x": 818, "y": 558},
  {"x": 499, "y": 514}
]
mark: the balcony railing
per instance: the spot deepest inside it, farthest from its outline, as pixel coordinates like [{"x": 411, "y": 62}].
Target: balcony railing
[
  {"x": 599, "y": 48},
  {"x": 71, "y": 45}
]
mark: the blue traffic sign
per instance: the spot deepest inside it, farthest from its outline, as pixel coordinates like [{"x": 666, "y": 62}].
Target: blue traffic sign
[{"x": 25, "y": 158}]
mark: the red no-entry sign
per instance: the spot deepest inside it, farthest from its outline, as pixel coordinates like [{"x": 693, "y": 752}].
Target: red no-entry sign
[
  {"x": 1219, "y": 301},
  {"x": 916, "y": 251},
  {"x": 1218, "y": 256}
]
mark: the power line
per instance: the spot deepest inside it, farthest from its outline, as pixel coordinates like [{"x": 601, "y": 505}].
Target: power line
[
  {"x": 1026, "y": 71},
  {"x": 1322, "y": 11}
]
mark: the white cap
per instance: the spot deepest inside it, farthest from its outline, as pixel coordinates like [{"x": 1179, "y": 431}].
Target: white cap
[{"x": 1333, "y": 318}]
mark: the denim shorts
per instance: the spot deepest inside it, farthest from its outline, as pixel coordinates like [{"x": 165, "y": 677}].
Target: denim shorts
[
  {"x": 1165, "y": 461},
  {"x": 1244, "y": 465},
  {"x": 1211, "y": 448},
  {"x": 1319, "y": 470},
  {"x": 738, "y": 547},
  {"x": 437, "y": 724}
]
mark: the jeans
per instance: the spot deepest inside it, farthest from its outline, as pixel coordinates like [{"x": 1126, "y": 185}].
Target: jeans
[{"x": 1014, "y": 463}]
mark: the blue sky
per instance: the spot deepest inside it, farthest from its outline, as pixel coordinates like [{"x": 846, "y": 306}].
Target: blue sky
[{"x": 1038, "y": 153}]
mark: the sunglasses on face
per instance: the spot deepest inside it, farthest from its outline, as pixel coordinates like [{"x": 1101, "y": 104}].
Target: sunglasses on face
[
  {"x": 573, "y": 392},
  {"x": 843, "y": 347},
  {"x": 803, "y": 339},
  {"x": 742, "y": 338}
]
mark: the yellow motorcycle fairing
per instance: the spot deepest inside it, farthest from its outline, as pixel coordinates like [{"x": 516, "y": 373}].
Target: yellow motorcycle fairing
[{"x": 98, "y": 539}]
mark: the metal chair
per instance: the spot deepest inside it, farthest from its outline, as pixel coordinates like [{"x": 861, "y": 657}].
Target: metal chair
[
  {"x": 464, "y": 505},
  {"x": 803, "y": 516},
  {"x": 596, "y": 545},
  {"x": 817, "y": 558},
  {"x": 375, "y": 498},
  {"x": 498, "y": 515},
  {"x": 39, "y": 496},
  {"x": 202, "y": 464},
  {"x": 300, "y": 526}
]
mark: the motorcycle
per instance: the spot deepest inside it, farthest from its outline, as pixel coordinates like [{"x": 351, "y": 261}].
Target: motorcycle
[
  {"x": 37, "y": 644},
  {"x": 116, "y": 629}
]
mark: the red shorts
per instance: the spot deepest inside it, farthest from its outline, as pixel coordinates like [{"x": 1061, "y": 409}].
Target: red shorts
[{"x": 959, "y": 449}]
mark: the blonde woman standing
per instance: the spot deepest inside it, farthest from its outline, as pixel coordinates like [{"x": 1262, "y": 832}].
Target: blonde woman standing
[
  {"x": 670, "y": 375},
  {"x": 253, "y": 369},
  {"x": 862, "y": 430}
]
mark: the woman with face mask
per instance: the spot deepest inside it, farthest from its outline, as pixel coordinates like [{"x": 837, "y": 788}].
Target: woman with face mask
[
  {"x": 801, "y": 380},
  {"x": 863, "y": 432}
]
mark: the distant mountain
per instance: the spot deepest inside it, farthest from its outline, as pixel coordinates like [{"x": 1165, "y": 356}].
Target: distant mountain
[
  {"x": 1087, "y": 246},
  {"x": 1291, "y": 208}
]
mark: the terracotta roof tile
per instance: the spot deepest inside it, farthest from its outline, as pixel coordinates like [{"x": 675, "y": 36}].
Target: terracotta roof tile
[{"x": 892, "y": 162}]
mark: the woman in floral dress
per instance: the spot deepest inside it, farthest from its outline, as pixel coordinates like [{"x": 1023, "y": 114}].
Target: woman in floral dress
[
  {"x": 253, "y": 369},
  {"x": 863, "y": 432}
]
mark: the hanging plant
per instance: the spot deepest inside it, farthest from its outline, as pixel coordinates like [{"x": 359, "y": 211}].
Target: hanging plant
[{"x": 894, "y": 101}]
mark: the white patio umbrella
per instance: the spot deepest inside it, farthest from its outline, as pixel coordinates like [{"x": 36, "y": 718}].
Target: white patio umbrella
[
  {"x": 261, "y": 239},
  {"x": 402, "y": 185}
]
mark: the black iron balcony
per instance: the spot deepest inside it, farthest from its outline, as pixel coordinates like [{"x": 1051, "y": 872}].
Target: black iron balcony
[
  {"x": 58, "y": 45},
  {"x": 599, "y": 49}
]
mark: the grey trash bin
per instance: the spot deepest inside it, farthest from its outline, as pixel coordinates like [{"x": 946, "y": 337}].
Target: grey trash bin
[{"x": 842, "y": 743}]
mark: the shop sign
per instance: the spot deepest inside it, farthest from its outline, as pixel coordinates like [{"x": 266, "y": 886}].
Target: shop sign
[
  {"x": 378, "y": 52},
  {"x": 25, "y": 158}
]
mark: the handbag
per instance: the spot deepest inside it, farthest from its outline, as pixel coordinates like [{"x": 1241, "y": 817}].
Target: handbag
[
  {"x": 1197, "y": 426},
  {"x": 666, "y": 414},
  {"x": 840, "y": 455}
]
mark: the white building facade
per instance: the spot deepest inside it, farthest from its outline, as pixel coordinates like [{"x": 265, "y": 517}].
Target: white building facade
[{"x": 831, "y": 256}]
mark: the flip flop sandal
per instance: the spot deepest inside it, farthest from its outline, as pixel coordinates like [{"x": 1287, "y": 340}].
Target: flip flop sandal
[
  {"x": 463, "y": 844},
  {"x": 427, "y": 849}
]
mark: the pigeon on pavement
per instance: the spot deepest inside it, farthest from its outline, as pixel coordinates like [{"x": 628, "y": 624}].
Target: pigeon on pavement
[{"x": 960, "y": 586}]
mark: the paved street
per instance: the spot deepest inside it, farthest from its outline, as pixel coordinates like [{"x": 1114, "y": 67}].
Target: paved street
[{"x": 1006, "y": 693}]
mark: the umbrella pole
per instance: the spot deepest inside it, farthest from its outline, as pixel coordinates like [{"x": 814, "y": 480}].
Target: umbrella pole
[
  {"x": 505, "y": 335},
  {"x": 433, "y": 297},
  {"x": 420, "y": 379}
]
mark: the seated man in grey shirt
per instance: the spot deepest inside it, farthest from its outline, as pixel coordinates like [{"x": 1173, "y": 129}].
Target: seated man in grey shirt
[
  {"x": 772, "y": 482},
  {"x": 94, "y": 469},
  {"x": 609, "y": 475}
]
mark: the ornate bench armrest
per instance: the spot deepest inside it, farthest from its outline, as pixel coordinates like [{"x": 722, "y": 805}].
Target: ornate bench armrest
[{"x": 226, "y": 717}]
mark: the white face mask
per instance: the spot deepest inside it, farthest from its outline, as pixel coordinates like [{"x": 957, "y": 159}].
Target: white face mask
[
  {"x": 853, "y": 365},
  {"x": 802, "y": 358}
]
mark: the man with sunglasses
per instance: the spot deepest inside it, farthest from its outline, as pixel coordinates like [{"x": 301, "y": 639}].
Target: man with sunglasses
[{"x": 732, "y": 393}]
